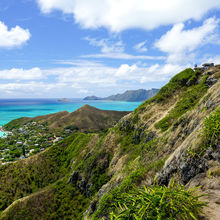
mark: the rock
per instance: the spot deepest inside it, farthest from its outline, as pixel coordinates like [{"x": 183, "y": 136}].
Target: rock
[
  {"x": 190, "y": 82},
  {"x": 188, "y": 167},
  {"x": 210, "y": 81},
  {"x": 93, "y": 206},
  {"x": 217, "y": 201},
  {"x": 125, "y": 124},
  {"x": 74, "y": 177},
  {"x": 150, "y": 136},
  {"x": 138, "y": 135},
  {"x": 209, "y": 104},
  {"x": 166, "y": 174},
  {"x": 191, "y": 167},
  {"x": 209, "y": 73}
]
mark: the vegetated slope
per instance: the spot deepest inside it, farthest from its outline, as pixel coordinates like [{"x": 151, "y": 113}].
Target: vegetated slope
[
  {"x": 171, "y": 138},
  {"x": 35, "y": 176},
  {"x": 86, "y": 118},
  {"x": 129, "y": 96}
]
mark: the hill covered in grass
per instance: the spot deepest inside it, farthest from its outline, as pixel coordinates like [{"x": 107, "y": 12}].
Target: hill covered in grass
[
  {"x": 145, "y": 167},
  {"x": 86, "y": 118}
]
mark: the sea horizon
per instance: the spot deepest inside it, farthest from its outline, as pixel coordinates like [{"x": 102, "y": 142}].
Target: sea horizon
[{"x": 13, "y": 108}]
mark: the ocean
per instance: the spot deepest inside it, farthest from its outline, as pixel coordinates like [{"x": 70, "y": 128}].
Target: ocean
[{"x": 15, "y": 108}]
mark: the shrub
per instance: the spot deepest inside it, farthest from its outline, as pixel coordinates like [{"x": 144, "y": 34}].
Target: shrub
[
  {"x": 187, "y": 102},
  {"x": 158, "y": 202},
  {"x": 211, "y": 129}
]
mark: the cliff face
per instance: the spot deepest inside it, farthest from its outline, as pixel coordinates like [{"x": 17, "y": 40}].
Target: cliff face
[{"x": 173, "y": 136}]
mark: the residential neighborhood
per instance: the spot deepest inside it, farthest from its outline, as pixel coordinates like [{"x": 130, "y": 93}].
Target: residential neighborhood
[{"x": 25, "y": 141}]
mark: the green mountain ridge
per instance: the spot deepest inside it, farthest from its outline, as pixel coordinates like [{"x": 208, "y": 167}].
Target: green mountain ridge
[
  {"x": 169, "y": 145},
  {"x": 129, "y": 96}
]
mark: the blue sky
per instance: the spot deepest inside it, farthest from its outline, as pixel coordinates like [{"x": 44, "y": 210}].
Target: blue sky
[{"x": 75, "y": 48}]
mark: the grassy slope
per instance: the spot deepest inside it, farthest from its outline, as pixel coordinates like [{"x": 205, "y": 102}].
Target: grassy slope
[
  {"x": 129, "y": 154},
  {"x": 33, "y": 174}
]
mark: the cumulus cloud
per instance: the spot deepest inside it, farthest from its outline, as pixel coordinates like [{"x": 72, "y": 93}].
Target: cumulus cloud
[
  {"x": 141, "y": 47},
  {"x": 106, "y": 76},
  {"x": 80, "y": 79},
  {"x": 119, "y": 15},
  {"x": 31, "y": 89},
  {"x": 21, "y": 74},
  {"x": 180, "y": 43},
  {"x": 107, "y": 46},
  {"x": 112, "y": 49},
  {"x": 14, "y": 37}
]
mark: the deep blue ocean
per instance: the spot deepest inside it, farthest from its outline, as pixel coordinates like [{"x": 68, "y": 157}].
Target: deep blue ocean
[{"x": 15, "y": 108}]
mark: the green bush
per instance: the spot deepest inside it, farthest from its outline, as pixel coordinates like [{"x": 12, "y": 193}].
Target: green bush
[
  {"x": 158, "y": 202},
  {"x": 106, "y": 204},
  {"x": 211, "y": 129},
  {"x": 187, "y": 102},
  {"x": 178, "y": 82}
]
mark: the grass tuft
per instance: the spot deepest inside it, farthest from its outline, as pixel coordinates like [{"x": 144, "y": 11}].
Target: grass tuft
[{"x": 158, "y": 202}]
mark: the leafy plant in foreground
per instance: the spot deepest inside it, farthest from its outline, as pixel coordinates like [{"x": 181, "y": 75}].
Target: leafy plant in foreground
[{"x": 158, "y": 202}]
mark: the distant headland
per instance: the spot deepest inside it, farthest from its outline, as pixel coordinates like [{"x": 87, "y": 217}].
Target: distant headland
[{"x": 129, "y": 96}]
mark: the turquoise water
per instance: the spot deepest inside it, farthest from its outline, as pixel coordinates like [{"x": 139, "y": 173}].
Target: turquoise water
[{"x": 15, "y": 108}]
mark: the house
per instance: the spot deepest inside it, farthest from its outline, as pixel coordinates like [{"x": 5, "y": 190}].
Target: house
[
  {"x": 20, "y": 129},
  {"x": 10, "y": 133}
]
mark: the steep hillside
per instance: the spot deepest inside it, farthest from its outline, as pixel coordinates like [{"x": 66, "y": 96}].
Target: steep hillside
[
  {"x": 169, "y": 145},
  {"x": 86, "y": 118},
  {"x": 129, "y": 96}
]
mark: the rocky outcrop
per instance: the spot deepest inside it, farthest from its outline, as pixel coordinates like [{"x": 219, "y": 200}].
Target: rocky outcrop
[{"x": 210, "y": 81}]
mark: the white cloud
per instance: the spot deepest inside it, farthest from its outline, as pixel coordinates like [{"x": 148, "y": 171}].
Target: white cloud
[
  {"x": 124, "y": 70},
  {"x": 30, "y": 89},
  {"x": 105, "y": 76},
  {"x": 14, "y": 37},
  {"x": 111, "y": 49},
  {"x": 141, "y": 47},
  {"x": 21, "y": 74},
  {"x": 180, "y": 43},
  {"x": 78, "y": 63},
  {"x": 118, "y": 15},
  {"x": 123, "y": 56},
  {"x": 107, "y": 46},
  {"x": 78, "y": 80}
]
